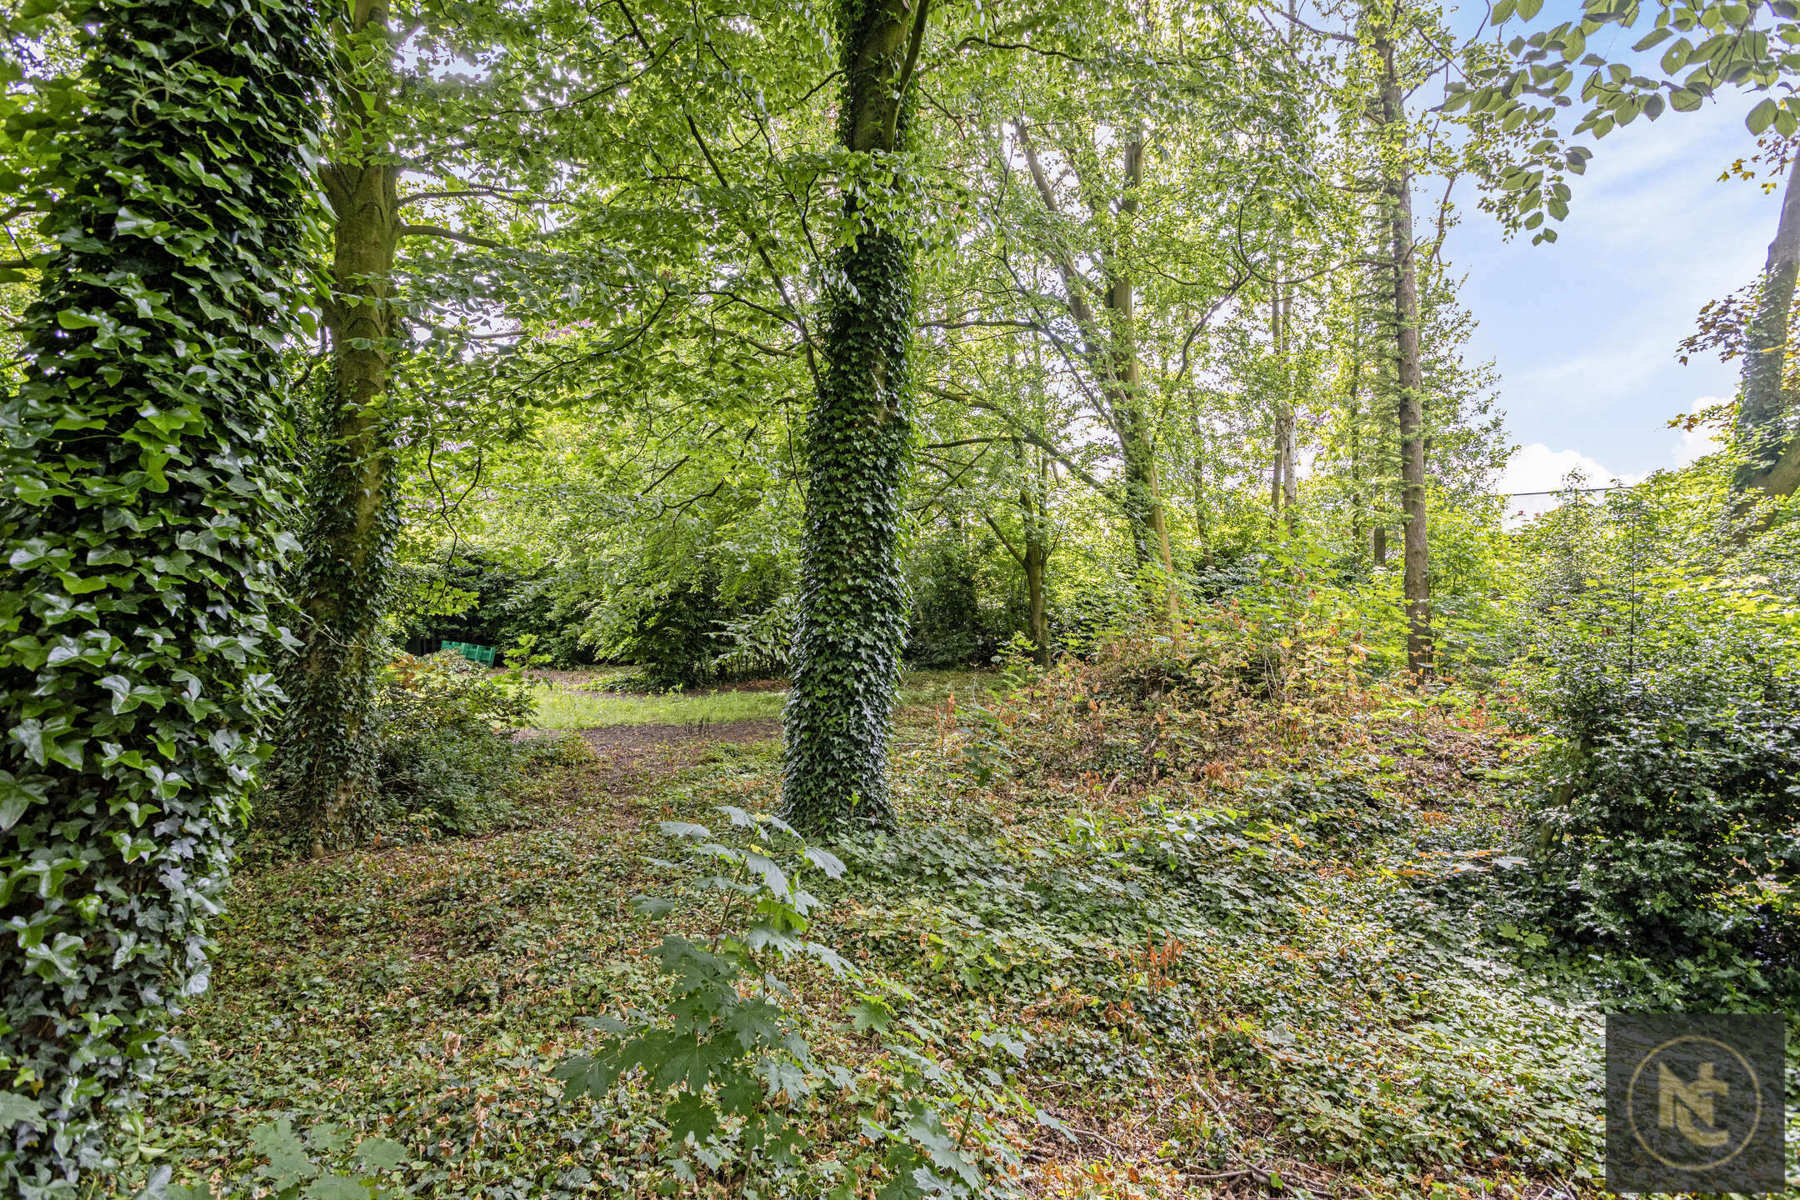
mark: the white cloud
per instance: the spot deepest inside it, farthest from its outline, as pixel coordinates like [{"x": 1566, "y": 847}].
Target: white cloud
[
  {"x": 1539, "y": 471},
  {"x": 1538, "y": 468}
]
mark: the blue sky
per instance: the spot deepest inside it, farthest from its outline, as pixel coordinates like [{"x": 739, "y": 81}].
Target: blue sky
[{"x": 1584, "y": 330}]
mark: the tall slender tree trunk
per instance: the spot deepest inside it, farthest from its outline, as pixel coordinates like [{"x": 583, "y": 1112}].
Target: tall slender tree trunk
[
  {"x": 1397, "y": 186},
  {"x": 1143, "y": 485},
  {"x": 1763, "y": 400},
  {"x": 323, "y": 768},
  {"x": 1278, "y": 352},
  {"x": 852, "y": 621},
  {"x": 1034, "y": 509},
  {"x": 1284, "y": 491},
  {"x": 1359, "y": 500},
  {"x": 1202, "y": 526}
]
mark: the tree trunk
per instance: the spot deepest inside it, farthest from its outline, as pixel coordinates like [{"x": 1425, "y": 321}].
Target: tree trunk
[
  {"x": 1284, "y": 489},
  {"x": 143, "y": 490},
  {"x": 1109, "y": 347},
  {"x": 323, "y": 767},
  {"x": 1278, "y": 352},
  {"x": 852, "y": 620},
  {"x": 1359, "y": 503},
  {"x": 1036, "y": 557},
  {"x": 1033, "y": 502},
  {"x": 1143, "y": 487},
  {"x": 1762, "y": 405},
  {"x": 1408, "y": 375},
  {"x": 1202, "y": 526}
]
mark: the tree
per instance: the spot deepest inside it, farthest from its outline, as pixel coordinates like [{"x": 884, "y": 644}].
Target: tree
[
  {"x": 341, "y": 583},
  {"x": 141, "y": 507},
  {"x": 413, "y": 275},
  {"x": 1396, "y": 180},
  {"x": 851, "y": 624}
]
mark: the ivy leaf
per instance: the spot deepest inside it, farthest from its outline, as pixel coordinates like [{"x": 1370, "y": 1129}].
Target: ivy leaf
[{"x": 20, "y": 1110}]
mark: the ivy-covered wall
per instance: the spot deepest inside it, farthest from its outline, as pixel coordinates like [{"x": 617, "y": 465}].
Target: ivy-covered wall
[
  {"x": 142, "y": 493},
  {"x": 852, "y": 613}
]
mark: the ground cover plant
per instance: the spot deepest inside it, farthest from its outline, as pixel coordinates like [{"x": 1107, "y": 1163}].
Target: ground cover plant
[{"x": 1137, "y": 937}]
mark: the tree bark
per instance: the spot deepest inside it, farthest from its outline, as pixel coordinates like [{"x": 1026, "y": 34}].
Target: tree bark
[
  {"x": 852, "y": 619},
  {"x": 1397, "y": 186},
  {"x": 1285, "y": 491},
  {"x": 323, "y": 765},
  {"x": 1034, "y": 506},
  {"x": 1359, "y": 503},
  {"x": 1763, "y": 400}
]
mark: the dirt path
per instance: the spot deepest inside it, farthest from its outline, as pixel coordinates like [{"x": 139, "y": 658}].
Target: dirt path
[{"x": 638, "y": 737}]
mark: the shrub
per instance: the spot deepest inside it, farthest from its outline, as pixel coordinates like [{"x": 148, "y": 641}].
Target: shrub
[
  {"x": 1665, "y": 676},
  {"x": 1672, "y": 829},
  {"x": 448, "y": 757}
]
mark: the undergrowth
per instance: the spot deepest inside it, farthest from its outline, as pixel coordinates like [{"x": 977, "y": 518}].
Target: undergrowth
[{"x": 1189, "y": 919}]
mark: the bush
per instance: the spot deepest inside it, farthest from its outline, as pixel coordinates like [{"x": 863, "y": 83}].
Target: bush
[
  {"x": 448, "y": 757},
  {"x": 1672, "y": 829},
  {"x": 1665, "y": 673}
]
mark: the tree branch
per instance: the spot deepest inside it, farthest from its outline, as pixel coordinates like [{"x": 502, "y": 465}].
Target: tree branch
[{"x": 452, "y": 235}]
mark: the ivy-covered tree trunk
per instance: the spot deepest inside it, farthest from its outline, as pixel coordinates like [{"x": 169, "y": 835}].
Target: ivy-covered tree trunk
[
  {"x": 1109, "y": 345},
  {"x": 322, "y": 769},
  {"x": 1144, "y": 510},
  {"x": 1763, "y": 400},
  {"x": 1035, "y": 560},
  {"x": 1408, "y": 375},
  {"x": 141, "y": 504},
  {"x": 852, "y": 618}
]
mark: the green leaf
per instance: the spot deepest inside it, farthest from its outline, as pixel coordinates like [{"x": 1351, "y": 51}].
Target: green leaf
[
  {"x": 381, "y": 1154},
  {"x": 691, "y": 1116},
  {"x": 288, "y": 1160},
  {"x": 20, "y": 1110},
  {"x": 871, "y": 1013},
  {"x": 1761, "y": 117}
]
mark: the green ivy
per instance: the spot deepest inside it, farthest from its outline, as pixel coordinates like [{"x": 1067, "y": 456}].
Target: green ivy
[
  {"x": 322, "y": 773},
  {"x": 140, "y": 514},
  {"x": 852, "y": 615}
]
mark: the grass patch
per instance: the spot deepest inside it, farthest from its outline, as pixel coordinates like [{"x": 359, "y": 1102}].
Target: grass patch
[
  {"x": 568, "y": 706},
  {"x": 565, "y": 708}
]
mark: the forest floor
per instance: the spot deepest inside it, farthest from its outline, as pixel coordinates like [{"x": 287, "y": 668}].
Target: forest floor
[{"x": 1161, "y": 937}]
